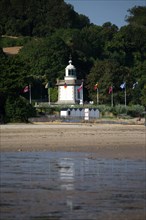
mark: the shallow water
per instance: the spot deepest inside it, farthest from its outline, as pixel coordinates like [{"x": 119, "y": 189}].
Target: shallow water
[{"x": 63, "y": 186}]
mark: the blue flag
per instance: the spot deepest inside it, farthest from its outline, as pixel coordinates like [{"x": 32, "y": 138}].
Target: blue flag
[{"x": 123, "y": 85}]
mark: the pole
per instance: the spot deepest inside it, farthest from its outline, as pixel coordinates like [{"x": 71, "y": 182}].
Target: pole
[
  {"x": 30, "y": 93},
  {"x": 97, "y": 97},
  {"x": 125, "y": 96},
  {"x": 112, "y": 98},
  {"x": 49, "y": 94},
  {"x": 82, "y": 94}
]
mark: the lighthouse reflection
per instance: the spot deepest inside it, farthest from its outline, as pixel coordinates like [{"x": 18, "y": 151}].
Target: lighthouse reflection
[
  {"x": 67, "y": 175},
  {"x": 62, "y": 185}
]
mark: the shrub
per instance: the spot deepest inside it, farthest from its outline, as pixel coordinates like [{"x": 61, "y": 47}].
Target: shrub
[
  {"x": 11, "y": 42},
  {"x": 18, "y": 110},
  {"x": 135, "y": 110},
  {"x": 103, "y": 108},
  {"x": 119, "y": 109}
]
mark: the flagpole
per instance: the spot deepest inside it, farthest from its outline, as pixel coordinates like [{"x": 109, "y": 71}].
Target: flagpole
[
  {"x": 49, "y": 92},
  {"x": 30, "y": 93},
  {"x": 97, "y": 97},
  {"x": 125, "y": 96},
  {"x": 112, "y": 97},
  {"x": 82, "y": 94}
]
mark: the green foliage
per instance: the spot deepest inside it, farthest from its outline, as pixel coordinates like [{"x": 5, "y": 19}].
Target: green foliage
[
  {"x": 48, "y": 110},
  {"x": 10, "y": 42},
  {"x": 106, "y": 74},
  {"x": 46, "y": 57},
  {"x": 137, "y": 16},
  {"x": 103, "y": 54},
  {"x": 53, "y": 94},
  {"x": 38, "y": 17},
  {"x": 135, "y": 110},
  {"x": 13, "y": 74},
  {"x": 143, "y": 98},
  {"x": 104, "y": 108},
  {"x": 17, "y": 109},
  {"x": 119, "y": 109},
  {"x": 132, "y": 110}
]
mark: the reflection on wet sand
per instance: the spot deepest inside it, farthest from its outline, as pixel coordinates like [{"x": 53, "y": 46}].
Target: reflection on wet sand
[{"x": 63, "y": 186}]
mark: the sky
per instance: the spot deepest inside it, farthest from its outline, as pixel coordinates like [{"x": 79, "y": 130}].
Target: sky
[{"x": 101, "y": 11}]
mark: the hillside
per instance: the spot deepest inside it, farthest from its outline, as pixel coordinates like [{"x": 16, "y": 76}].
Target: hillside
[
  {"x": 37, "y": 17},
  {"x": 51, "y": 31}
]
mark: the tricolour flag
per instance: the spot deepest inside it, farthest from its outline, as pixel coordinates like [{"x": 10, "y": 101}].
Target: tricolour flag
[
  {"x": 96, "y": 86},
  {"x": 25, "y": 89},
  {"x": 80, "y": 88},
  {"x": 110, "y": 90},
  {"x": 134, "y": 85},
  {"x": 123, "y": 85}
]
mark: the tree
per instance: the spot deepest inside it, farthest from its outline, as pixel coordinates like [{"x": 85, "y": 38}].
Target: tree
[
  {"x": 102, "y": 72},
  {"x": 13, "y": 76},
  {"x": 13, "y": 79},
  {"x": 17, "y": 109},
  {"x": 137, "y": 16},
  {"x": 38, "y": 17},
  {"x": 143, "y": 84},
  {"x": 46, "y": 57}
]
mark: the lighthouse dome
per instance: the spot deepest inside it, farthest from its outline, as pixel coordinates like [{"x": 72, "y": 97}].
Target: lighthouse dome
[
  {"x": 70, "y": 66},
  {"x": 70, "y": 71}
]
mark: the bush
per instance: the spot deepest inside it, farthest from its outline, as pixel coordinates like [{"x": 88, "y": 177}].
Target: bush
[
  {"x": 135, "y": 110},
  {"x": 119, "y": 109},
  {"x": 103, "y": 108},
  {"x": 11, "y": 42},
  {"x": 18, "y": 110}
]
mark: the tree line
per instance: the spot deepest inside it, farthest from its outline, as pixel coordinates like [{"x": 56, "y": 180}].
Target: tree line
[{"x": 50, "y": 31}]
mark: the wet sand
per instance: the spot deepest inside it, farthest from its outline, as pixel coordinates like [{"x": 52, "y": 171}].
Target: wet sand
[
  {"x": 63, "y": 186},
  {"x": 104, "y": 140}
]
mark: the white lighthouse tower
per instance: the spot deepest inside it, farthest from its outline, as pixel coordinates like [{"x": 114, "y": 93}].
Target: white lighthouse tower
[{"x": 70, "y": 90}]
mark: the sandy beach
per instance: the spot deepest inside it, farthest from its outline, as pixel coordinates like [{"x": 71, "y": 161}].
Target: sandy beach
[
  {"x": 96, "y": 170},
  {"x": 102, "y": 140}
]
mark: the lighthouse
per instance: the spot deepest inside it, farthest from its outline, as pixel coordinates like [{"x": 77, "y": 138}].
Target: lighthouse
[{"x": 70, "y": 90}]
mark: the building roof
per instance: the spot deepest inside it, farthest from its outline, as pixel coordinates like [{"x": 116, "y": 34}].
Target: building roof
[{"x": 70, "y": 66}]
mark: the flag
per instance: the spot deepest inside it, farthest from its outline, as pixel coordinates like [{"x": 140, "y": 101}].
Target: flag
[
  {"x": 96, "y": 86},
  {"x": 25, "y": 89},
  {"x": 134, "y": 85},
  {"x": 65, "y": 85},
  {"x": 46, "y": 86},
  {"x": 80, "y": 88},
  {"x": 123, "y": 85},
  {"x": 110, "y": 90}
]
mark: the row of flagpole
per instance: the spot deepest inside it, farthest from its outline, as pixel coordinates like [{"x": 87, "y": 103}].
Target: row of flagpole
[
  {"x": 28, "y": 89},
  {"x": 111, "y": 91}
]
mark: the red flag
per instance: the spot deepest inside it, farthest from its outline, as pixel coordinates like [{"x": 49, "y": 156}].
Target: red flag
[
  {"x": 65, "y": 85},
  {"x": 96, "y": 86},
  {"x": 80, "y": 88},
  {"x": 110, "y": 90},
  {"x": 25, "y": 89}
]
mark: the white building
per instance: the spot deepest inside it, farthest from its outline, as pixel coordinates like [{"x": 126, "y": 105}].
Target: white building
[{"x": 70, "y": 90}]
